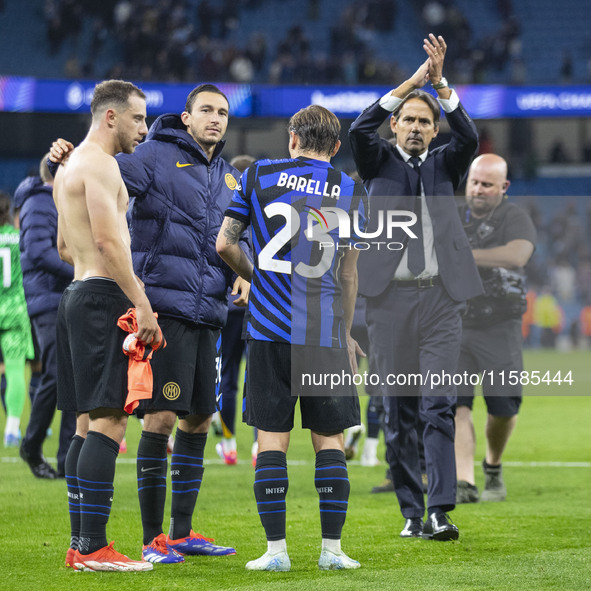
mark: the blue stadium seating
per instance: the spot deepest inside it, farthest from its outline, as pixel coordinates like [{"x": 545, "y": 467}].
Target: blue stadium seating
[
  {"x": 549, "y": 29},
  {"x": 551, "y": 186},
  {"x": 549, "y": 32},
  {"x": 25, "y": 48}
]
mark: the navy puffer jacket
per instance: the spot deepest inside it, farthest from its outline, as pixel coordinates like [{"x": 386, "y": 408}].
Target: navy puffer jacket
[
  {"x": 45, "y": 275},
  {"x": 180, "y": 199}
]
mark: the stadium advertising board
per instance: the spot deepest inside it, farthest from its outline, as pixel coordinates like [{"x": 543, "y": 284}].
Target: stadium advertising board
[
  {"x": 482, "y": 102},
  {"x": 64, "y": 96}
]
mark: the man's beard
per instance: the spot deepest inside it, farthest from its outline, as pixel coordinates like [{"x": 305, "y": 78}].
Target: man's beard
[
  {"x": 202, "y": 140},
  {"x": 126, "y": 144}
]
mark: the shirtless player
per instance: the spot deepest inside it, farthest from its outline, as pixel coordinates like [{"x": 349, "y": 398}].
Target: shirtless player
[{"x": 92, "y": 201}]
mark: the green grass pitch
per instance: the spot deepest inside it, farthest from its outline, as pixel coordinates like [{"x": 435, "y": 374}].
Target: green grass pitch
[{"x": 540, "y": 538}]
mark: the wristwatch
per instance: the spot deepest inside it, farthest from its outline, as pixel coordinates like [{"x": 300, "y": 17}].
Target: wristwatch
[{"x": 441, "y": 84}]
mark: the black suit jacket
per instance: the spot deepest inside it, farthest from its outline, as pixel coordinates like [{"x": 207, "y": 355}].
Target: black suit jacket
[{"x": 390, "y": 182}]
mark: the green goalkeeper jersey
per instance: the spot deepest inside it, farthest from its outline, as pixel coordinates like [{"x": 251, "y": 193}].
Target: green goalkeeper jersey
[{"x": 13, "y": 307}]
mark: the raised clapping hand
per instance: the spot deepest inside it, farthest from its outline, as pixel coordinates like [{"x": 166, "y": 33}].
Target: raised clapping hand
[
  {"x": 421, "y": 76},
  {"x": 435, "y": 48}
]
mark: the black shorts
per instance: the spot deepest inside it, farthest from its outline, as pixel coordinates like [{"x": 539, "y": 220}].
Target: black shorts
[
  {"x": 92, "y": 368},
  {"x": 186, "y": 371},
  {"x": 271, "y": 400},
  {"x": 495, "y": 348}
]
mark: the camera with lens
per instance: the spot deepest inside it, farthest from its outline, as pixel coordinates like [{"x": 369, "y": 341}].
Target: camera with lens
[
  {"x": 505, "y": 298},
  {"x": 502, "y": 283}
]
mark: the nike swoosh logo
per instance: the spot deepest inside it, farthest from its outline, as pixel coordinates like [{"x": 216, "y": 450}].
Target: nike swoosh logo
[
  {"x": 179, "y": 165},
  {"x": 153, "y": 468}
]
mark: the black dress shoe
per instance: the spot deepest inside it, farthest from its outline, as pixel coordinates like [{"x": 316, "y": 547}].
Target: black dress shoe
[
  {"x": 413, "y": 528},
  {"x": 43, "y": 470},
  {"x": 39, "y": 466},
  {"x": 439, "y": 527}
]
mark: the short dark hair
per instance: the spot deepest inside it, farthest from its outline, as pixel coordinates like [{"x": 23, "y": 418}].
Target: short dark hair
[
  {"x": 198, "y": 90},
  {"x": 113, "y": 93},
  {"x": 427, "y": 98},
  {"x": 318, "y": 129},
  {"x": 242, "y": 162},
  {"x": 5, "y": 203}
]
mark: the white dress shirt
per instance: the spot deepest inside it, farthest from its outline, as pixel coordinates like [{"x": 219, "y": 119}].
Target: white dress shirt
[{"x": 390, "y": 103}]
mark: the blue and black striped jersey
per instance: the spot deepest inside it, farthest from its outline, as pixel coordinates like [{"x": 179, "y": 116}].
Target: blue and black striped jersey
[{"x": 304, "y": 215}]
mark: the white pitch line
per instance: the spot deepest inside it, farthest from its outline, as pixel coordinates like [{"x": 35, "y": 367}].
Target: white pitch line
[
  {"x": 545, "y": 464},
  {"x": 13, "y": 460}
]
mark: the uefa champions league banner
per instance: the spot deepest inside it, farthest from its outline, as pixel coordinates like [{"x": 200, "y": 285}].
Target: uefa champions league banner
[
  {"x": 73, "y": 96},
  {"x": 481, "y": 102}
]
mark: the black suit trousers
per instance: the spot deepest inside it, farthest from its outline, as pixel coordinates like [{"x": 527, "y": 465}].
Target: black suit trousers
[
  {"x": 415, "y": 336},
  {"x": 45, "y": 397}
]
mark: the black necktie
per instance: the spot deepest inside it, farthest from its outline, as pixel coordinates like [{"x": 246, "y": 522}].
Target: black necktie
[{"x": 416, "y": 248}]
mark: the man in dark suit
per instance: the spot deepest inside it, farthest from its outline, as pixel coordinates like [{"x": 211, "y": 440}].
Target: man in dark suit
[
  {"x": 417, "y": 282},
  {"x": 45, "y": 277}
]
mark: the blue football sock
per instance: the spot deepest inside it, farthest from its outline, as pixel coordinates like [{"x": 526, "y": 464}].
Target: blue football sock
[
  {"x": 270, "y": 490},
  {"x": 332, "y": 483}
]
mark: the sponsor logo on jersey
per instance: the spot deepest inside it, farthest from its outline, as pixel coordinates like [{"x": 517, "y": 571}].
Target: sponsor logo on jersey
[
  {"x": 230, "y": 181},
  {"x": 179, "y": 165},
  {"x": 171, "y": 390}
]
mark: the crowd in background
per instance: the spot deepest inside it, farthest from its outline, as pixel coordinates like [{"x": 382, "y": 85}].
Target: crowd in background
[
  {"x": 185, "y": 40},
  {"x": 559, "y": 275}
]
